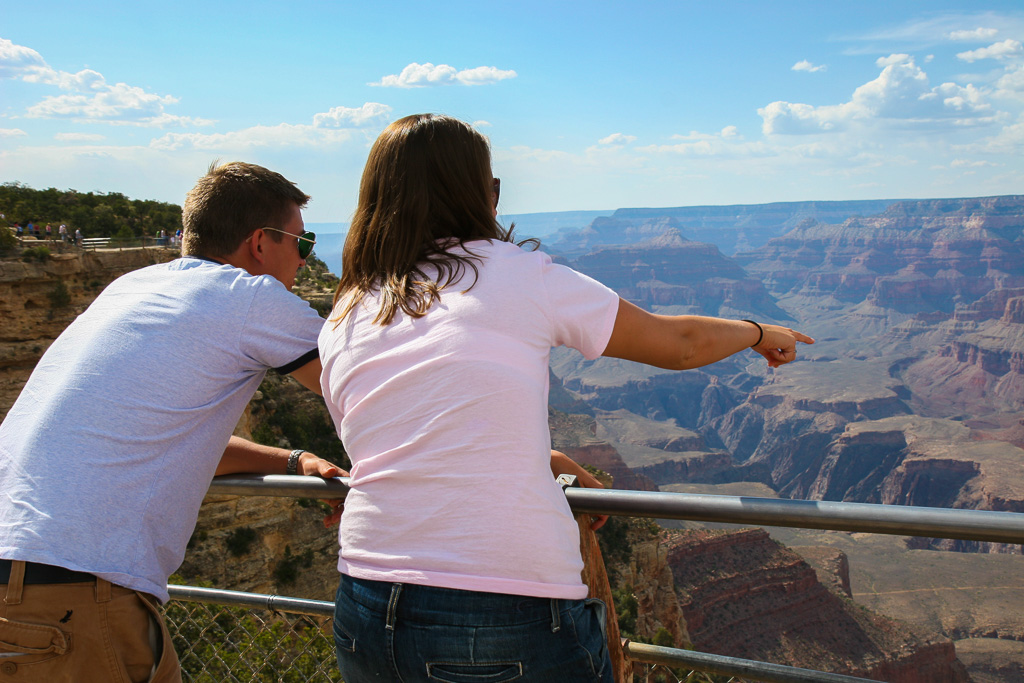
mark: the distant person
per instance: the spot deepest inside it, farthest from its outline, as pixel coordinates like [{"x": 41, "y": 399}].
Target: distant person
[
  {"x": 49, "y": 231},
  {"x": 96, "y": 511},
  {"x": 18, "y": 229},
  {"x": 78, "y": 237},
  {"x": 63, "y": 232},
  {"x": 459, "y": 555}
]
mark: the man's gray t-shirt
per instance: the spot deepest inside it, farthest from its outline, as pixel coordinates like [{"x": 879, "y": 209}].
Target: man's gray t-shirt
[{"x": 110, "y": 448}]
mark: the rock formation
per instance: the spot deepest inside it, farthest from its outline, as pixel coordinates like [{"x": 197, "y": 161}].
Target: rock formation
[{"x": 744, "y": 595}]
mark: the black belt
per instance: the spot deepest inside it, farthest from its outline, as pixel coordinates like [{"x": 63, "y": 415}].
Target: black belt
[{"x": 36, "y": 573}]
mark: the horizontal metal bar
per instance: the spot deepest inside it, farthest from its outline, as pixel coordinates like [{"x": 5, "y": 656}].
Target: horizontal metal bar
[
  {"x": 731, "y": 666},
  {"x": 274, "y": 603},
  {"x": 280, "y": 486},
  {"x": 900, "y": 520}
]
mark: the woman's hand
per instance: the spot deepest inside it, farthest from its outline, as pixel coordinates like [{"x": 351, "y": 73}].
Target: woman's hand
[
  {"x": 563, "y": 464},
  {"x": 778, "y": 344}
]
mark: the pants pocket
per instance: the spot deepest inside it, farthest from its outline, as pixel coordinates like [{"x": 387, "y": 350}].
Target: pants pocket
[
  {"x": 479, "y": 672},
  {"x": 342, "y": 640},
  {"x": 27, "y": 643}
]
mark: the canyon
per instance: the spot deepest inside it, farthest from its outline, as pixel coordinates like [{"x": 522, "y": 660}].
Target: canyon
[{"x": 912, "y": 395}]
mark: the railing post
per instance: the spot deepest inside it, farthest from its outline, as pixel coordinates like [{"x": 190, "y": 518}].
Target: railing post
[{"x": 595, "y": 576}]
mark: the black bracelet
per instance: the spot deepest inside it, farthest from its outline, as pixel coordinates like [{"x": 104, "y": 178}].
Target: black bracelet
[
  {"x": 293, "y": 461},
  {"x": 759, "y": 329}
]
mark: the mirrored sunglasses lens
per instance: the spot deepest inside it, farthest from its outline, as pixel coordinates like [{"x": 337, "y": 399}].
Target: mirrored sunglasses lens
[{"x": 306, "y": 245}]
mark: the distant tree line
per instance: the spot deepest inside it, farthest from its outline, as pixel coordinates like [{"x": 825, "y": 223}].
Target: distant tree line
[{"x": 94, "y": 213}]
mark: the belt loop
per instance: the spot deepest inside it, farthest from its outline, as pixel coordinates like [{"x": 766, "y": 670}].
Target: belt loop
[
  {"x": 396, "y": 590},
  {"x": 556, "y": 619},
  {"x": 102, "y": 590},
  {"x": 16, "y": 583}
]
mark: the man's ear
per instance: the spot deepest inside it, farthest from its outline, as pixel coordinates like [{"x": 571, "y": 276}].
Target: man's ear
[{"x": 255, "y": 243}]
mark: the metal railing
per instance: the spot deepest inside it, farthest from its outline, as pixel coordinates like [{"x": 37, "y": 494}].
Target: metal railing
[
  {"x": 298, "y": 640},
  {"x": 223, "y": 636},
  {"x": 900, "y": 520}
]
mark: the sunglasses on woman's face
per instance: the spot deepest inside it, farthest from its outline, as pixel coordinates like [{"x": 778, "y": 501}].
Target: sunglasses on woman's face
[
  {"x": 306, "y": 241},
  {"x": 496, "y": 191}
]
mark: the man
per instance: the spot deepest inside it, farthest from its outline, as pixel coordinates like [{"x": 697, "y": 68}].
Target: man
[{"x": 96, "y": 509}]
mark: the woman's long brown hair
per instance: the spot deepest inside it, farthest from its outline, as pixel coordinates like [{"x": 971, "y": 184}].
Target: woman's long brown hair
[{"x": 426, "y": 189}]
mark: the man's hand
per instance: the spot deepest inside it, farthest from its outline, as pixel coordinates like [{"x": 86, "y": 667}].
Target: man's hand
[{"x": 311, "y": 466}]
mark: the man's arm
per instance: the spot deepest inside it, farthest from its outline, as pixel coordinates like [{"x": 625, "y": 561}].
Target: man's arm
[
  {"x": 242, "y": 456},
  {"x": 309, "y": 376}
]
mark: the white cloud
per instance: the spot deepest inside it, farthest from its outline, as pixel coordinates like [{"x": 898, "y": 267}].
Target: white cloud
[
  {"x": 18, "y": 61},
  {"x": 1009, "y": 140},
  {"x": 727, "y": 143},
  {"x": 283, "y": 135},
  {"x": 421, "y": 75},
  {"x": 482, "y": 124},
  {"x": 935, "y": 29},
  {"x": 725, "y": 133},
  {"x": 1011, "y": 84},
  {"x": 974, "y": 34},
  {"x": 333, "y": 127},
  {"x": 883, "y": 62},
  {"x": 804, "y": 65},
  {"x": 12, "y": 132},
  {"x": 352, "y": 117},
  {"x": 78, "y": 137},
  {"x": 88, "y": 95},
  {"x": 900, "y": 96},
  {"x": 617, "y": 139},
  {"x": 1003, "y": 50},
  {"x": 970, "y": 163}
]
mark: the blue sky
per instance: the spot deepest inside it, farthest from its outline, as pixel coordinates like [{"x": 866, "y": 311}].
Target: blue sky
[{"x": 588, "y": 105}]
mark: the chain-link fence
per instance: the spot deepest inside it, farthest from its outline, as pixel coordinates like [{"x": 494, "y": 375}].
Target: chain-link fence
[
  {"x": 218, "y": 643},
  {"x": 221, "y": 643}
]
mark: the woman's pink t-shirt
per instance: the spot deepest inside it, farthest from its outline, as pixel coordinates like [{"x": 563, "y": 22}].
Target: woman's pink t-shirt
[{"x": 445, "y": 420}]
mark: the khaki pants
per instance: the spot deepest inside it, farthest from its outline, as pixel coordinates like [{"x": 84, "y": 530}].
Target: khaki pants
[{"x": 94, "y": 632}]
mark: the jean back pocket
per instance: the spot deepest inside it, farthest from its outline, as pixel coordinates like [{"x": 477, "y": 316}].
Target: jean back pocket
[{"x": 480, "y": 672}]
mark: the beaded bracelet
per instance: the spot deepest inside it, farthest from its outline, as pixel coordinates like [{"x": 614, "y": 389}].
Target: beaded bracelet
[{"x": 293, "y": 461}]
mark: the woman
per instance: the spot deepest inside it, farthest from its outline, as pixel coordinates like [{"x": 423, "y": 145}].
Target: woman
[{"x": 459, "y": 555}]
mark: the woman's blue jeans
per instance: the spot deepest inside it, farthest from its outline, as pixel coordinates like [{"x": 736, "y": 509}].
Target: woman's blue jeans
[{"x": 408, "y": 633}]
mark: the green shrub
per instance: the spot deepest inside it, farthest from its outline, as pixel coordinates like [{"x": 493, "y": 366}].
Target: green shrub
[
  {"x": 59, "y": 296},
  {"x": 35, "y": 254},
  {"x": 287, "y": 569},
  {"x": 8, "y": 240},
  {"x": 240, "y": 540}
]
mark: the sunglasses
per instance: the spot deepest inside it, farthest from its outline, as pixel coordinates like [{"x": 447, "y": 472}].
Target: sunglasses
[
  {"x": 306, "y": 241},
  {"x": 496, "y": 191}
]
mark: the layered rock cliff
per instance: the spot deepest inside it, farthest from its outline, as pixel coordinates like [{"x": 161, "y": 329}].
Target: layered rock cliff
[
  {"x": 731, "y": 228},
  {"x": 744, "y": 595}
]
